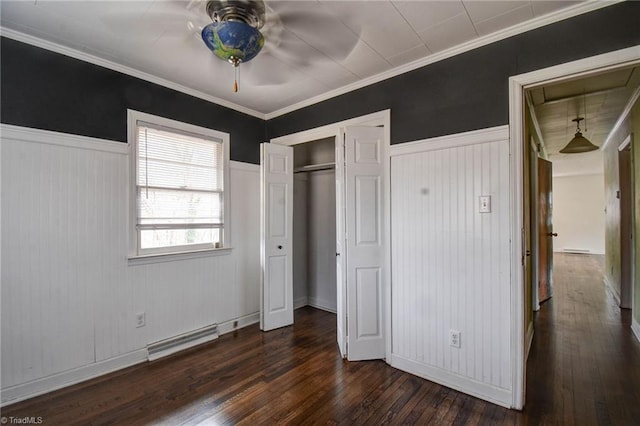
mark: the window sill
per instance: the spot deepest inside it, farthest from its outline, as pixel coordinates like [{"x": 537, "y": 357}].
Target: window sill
[{"x": 173, "y": 257}]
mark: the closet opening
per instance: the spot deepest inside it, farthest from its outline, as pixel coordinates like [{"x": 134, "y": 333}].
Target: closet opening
[{"x": 314, "y": 225}]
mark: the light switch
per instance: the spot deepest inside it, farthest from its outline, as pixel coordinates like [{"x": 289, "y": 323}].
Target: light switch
[{"x": 485, "y": 204}]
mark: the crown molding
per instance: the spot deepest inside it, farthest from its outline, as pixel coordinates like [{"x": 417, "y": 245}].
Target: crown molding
[
  {"x": 105, "y": 63},
  {"x": 541, "y": 21},
  {"x": 532, "y": 24}
]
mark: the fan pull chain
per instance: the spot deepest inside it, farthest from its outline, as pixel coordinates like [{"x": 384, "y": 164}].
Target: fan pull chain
[{"x": 236, "y": 83}]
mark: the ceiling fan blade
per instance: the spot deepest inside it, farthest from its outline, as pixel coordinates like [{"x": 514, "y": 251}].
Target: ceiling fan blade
[
  {"x": 267, "y": 70},
  {"x": 292, "y": 50},
  {"x": 170, "y": 18},
  {"x": 314, "y": 24}
]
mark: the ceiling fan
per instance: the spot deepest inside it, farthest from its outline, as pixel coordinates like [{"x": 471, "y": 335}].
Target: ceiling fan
[
  {"x": 292, "y": 36},
  {"x": 240, "y": 29}
]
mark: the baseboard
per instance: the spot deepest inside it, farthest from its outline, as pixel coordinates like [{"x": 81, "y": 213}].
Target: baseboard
[
  {"x": 237, "y": 323},
  {"x": 37, "y": 387},
  {"x": 574, "y": 251},
  {"x": 529, "y": 339},
  {"x": 321, "y": 304},
  {"x": 612, "y": 290},
  {"x": 300, "y": 302},
  {"x": 635, "y": 328},
  {"x": 487, "y": 392}
]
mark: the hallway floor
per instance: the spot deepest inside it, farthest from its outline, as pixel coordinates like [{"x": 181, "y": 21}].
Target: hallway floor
[{"x": 584, "y": 365}]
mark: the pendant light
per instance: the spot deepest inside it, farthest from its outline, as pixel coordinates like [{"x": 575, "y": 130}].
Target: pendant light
[{"x": 579, "y": 143}]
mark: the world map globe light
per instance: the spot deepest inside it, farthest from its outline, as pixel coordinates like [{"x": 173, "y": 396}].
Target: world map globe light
[{"x": 233, "y": 41}]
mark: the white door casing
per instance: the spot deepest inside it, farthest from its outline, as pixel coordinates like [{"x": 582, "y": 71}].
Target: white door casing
[
  {"x": 365, "y": 249},
  {"x": 554, "y": 74},
  {"x": 276, "y": 290},
  {"x": 341, "y": 257}
]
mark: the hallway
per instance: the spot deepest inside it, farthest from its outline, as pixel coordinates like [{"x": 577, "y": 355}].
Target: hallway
[{"x": 584, "y": 365}]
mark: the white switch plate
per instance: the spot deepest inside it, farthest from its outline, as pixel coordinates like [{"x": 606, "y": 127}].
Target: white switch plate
[
  {"x": 485, "y": 204},
  {"x": 141, "y": 319}
]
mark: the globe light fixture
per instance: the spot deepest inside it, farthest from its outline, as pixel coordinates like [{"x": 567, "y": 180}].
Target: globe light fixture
[{"x": 234, "y": 35}]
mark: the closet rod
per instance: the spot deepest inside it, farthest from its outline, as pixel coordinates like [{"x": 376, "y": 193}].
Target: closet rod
[{"x": 315, "y": 167}]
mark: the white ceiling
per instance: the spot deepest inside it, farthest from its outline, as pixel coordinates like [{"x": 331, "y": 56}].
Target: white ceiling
[
  {"x": 603, "y": 97},
  {"x": 312, "y": 47}
]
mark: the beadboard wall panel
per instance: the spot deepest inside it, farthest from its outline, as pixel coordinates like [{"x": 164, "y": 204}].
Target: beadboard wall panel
[
  {"x": 69, "y": 293},
  {"x": 450, "y": 262},
  {"x": 51, "y": 254},
  {"x": 245, "y": 231}
]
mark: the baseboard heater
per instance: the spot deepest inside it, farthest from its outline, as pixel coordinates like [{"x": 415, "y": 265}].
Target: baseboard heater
[
  {"x": 576, "y": 251},
  {"x": 180, "y": 342}
]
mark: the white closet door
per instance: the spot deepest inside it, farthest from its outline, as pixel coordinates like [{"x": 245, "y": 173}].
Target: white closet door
[
  {"x": 276, "y": 292},
  {"x": 364, "y": 173}
]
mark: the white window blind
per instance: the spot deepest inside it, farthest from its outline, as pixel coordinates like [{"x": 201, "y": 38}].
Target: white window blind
[{"x": 180, "y": 189}]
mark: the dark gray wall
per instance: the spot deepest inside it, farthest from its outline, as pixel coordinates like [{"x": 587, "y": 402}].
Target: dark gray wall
[
  {"x": 47, "y": 90},
  {"x": 50, "y": 91},
  {"x": 470, "y": 91}
]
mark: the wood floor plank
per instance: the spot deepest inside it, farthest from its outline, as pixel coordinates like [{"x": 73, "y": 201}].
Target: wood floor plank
[{"x": 584, "y": 368}]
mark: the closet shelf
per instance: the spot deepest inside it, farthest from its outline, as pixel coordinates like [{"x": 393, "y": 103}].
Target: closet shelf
[{"x": 315, "y": 167}]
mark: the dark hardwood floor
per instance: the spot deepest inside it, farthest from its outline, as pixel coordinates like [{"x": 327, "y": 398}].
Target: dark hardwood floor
[
  {"x": 584, "y": 369},
  {"x": 584, "y": 364}
]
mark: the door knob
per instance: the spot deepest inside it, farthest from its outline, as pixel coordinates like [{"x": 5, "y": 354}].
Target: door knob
[
  {"x": 552, "y": 234},
  {"x": 279, "y": 247},
  {"x": 337, "y": 254}
]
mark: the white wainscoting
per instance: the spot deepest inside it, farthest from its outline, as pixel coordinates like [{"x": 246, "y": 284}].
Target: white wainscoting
[
  {"x": 451, "y": 263},
  {"x": 69, "y": 294}
]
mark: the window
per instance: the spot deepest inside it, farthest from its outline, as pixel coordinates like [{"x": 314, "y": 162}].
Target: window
[{"x": 179, "y": 193}]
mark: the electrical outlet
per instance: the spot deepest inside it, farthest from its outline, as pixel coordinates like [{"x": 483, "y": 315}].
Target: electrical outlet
[
  {"x": 454, "y": 338},
  {"x": 141, "y": 319}
]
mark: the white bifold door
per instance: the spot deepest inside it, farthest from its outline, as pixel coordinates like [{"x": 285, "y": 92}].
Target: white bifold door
[
  {"x": 363, "y": 250},
  {"x": 360, "y": 243},
  {"x": 276, "y": 291}
]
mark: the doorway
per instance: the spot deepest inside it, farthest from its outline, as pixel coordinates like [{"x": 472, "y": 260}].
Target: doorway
[
  {"x": 626, "y": 223},
  {"x": 517, "y": 86},
  {"x": 361, "y": 212},
  {"x": 544, "y": 254}
]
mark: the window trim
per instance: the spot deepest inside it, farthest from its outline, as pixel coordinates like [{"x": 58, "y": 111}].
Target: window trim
[{"x": 133, "y": 117}]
